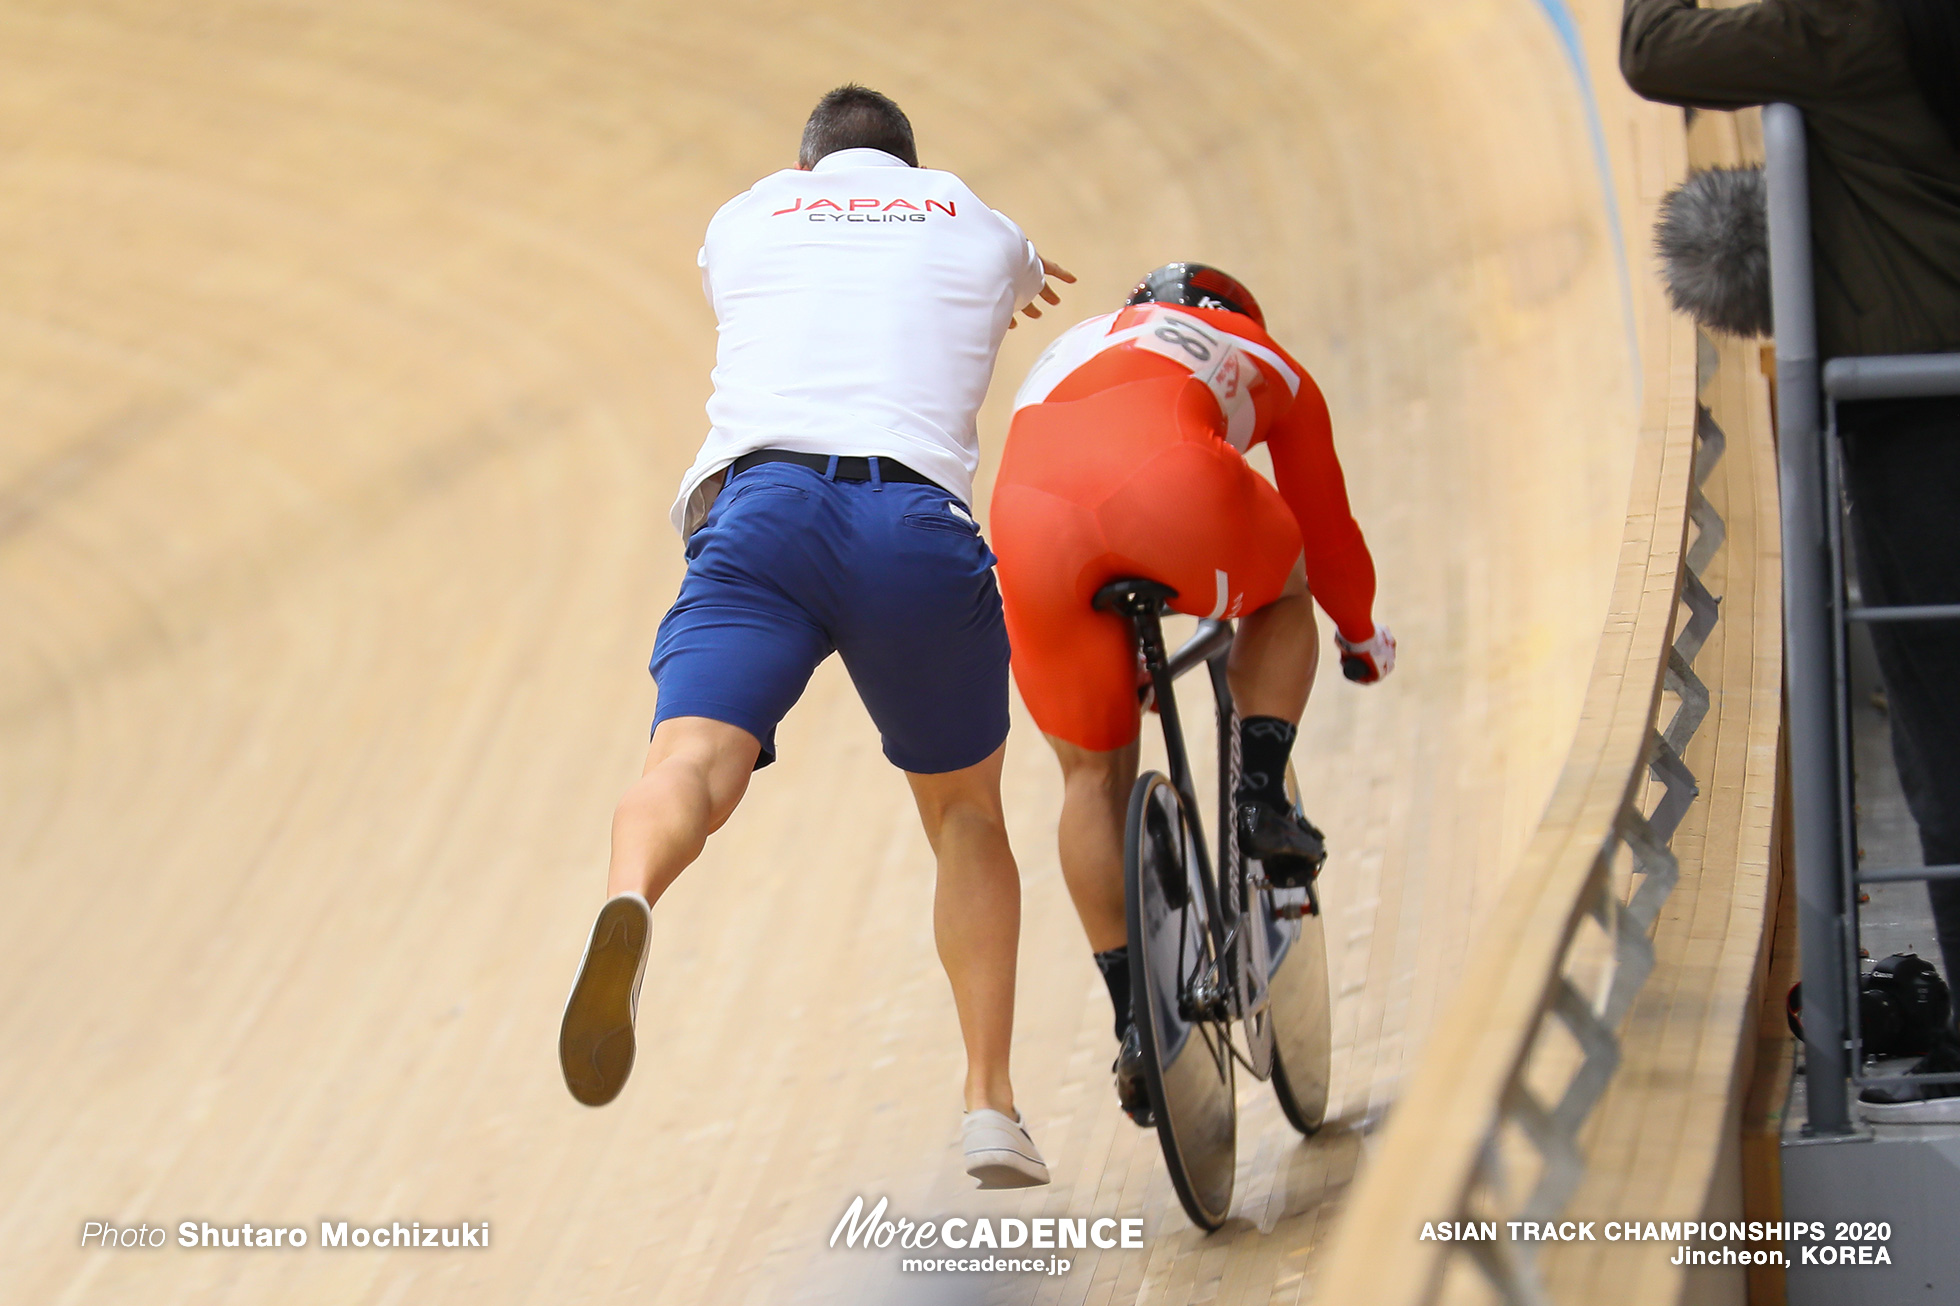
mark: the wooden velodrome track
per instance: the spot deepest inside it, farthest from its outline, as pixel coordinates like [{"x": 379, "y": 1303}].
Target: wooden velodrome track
[{"x": 350, "y": 354}]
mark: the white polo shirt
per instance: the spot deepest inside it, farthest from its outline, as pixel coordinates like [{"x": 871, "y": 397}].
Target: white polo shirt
[{"x": 861, "y": 305}]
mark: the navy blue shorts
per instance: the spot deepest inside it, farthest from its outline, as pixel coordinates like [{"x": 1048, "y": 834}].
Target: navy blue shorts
[{"x": 791, "y": 566}]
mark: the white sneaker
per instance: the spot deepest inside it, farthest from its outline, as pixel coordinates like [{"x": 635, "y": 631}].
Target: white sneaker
[
  {"x": 595, "y": 1040},
  {"x": 999, "y": 1152}
]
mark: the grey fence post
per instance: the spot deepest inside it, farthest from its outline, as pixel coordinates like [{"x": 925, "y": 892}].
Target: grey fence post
[{"x": 1807, "y": 625}]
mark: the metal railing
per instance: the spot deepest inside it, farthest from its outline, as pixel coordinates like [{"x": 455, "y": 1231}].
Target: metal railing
[{"x": 1817, "y": 614}]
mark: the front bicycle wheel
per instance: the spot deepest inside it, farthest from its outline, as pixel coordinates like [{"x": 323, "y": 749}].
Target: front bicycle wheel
[
  {"x": 1299, "y": 1006},
  {"x": 1179, "y": 999}
]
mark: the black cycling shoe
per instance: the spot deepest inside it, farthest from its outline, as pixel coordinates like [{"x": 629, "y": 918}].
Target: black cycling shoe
[
  {"x": 1132, "y": 1091},
  {"x": 1287, "y": 844}
]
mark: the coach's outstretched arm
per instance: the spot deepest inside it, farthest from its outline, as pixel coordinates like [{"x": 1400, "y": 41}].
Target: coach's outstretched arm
[{"x": 1048, "y": 269}]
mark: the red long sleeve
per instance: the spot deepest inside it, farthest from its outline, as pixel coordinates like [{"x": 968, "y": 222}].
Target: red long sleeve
[{"x": 1340, "y": 570}]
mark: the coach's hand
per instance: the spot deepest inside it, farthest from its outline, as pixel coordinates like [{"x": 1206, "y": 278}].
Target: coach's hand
[
  {"x": 1048, "y": 269},
  {"x": 1369, "y": 661}
]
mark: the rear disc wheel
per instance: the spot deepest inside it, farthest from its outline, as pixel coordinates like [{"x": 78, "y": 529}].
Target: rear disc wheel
[
  {"x": 1299, "y": 1006},
  {"x": 1186, "y": 1053},
  {"x": 1299, "y": 1011}
]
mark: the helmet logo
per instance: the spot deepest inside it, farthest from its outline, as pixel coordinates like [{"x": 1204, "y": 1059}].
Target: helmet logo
[{"x": 1196, "y": 285}]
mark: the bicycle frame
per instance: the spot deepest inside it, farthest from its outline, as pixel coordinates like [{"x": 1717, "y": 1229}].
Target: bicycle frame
[
  {"x": 1245, "y": 995},
  {"x": 1211, "y": 986},
  {"x": 1148, "y": 626}
]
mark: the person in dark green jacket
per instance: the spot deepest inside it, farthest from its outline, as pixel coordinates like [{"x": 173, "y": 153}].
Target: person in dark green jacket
[
  {"x": 1884, "y": 172},
  {"x": 1879, "y": 85}
]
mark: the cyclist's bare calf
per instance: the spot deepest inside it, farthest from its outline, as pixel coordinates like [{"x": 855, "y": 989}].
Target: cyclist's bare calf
[
  {"x": 1095, "y": 799},
  {"x": 1276, "y": 652}
]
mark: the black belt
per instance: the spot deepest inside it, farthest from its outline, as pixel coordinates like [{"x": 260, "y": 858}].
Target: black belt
[{"x": 848, "y": 469}]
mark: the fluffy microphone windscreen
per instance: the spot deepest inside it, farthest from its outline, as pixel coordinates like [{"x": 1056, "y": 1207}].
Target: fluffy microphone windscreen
[{"x": 1713, "y": 238}]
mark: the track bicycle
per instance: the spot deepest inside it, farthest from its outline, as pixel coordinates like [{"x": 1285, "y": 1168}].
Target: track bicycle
[{"x": 1213, "y": 944}]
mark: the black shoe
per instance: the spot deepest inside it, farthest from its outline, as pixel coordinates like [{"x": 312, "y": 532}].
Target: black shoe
[
  {"x": 1286, "y": 843},
  {"x": 1919, "y": 1104},
  {"x": 1132, "y": 1090}
]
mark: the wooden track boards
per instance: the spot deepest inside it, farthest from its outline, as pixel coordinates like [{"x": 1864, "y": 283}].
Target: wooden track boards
[
  {"x": 1666, "y": 1135},
  {"x": 351, "y": 354}
]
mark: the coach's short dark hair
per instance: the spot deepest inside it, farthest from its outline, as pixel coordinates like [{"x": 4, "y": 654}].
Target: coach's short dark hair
[{"x": 856, "y": 117}]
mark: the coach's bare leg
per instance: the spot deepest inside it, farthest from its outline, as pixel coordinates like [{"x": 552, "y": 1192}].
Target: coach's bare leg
[
  {"x": 976, "y": 917},
  {"x": 696, "y": 771},
  {"x": 1095, "y": 804},
  {"x": 1276, "y": 653}
]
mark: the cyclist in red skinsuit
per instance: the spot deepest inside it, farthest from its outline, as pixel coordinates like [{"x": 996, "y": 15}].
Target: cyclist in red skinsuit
[{"x": 1126, "y": 458}]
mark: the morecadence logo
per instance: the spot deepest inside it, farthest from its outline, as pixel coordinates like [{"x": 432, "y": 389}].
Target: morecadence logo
[{"x": 876, "y": 1229}]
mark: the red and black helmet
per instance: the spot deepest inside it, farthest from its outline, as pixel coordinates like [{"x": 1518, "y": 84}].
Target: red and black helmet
[{"x": 1196, "y": 285}]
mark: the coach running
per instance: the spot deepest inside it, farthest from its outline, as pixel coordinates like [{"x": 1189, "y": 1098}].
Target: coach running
[{"x": 861, "y": 300}]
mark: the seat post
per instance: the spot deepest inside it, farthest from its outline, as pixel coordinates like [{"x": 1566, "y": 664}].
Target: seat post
[
  {"x": 1156, "y": 662},
  {"x": 1141, "y": 601}
]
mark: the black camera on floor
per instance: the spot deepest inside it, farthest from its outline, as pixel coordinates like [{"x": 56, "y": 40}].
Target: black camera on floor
[{"x": 1903, "y": 1004}]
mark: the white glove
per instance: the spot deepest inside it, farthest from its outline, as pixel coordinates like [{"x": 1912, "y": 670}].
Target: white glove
[{"x": 1369, "y": 661}]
